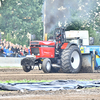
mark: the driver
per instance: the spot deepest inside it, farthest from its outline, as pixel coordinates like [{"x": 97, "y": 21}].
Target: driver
[
  {"x": 58, "y": 39},
  {"x": 58, "y": 35}
]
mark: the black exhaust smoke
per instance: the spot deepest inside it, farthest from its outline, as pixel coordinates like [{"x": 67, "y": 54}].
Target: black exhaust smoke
[{"x": 65, "y": 11}]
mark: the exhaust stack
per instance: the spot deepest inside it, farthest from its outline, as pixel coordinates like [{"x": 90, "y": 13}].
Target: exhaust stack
[{"x": 45, "y": 37}]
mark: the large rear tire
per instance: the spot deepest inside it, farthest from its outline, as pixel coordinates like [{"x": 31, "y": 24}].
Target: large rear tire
[
  {"x": 71, "y": 60},
  {"x": 46, "y": 65}
]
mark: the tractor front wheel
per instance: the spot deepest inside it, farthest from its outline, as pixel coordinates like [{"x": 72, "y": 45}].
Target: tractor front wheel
[
  {"x": 71, "y": 60},
  {"x": 46, "y": 65},
  {"x": 26, "y": 68}
]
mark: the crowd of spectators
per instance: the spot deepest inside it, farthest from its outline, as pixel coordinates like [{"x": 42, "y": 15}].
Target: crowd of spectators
[{"x": 8, "y": 49}]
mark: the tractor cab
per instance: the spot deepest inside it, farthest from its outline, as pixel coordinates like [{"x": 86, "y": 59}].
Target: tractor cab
[{"x": 59, "y": 35}]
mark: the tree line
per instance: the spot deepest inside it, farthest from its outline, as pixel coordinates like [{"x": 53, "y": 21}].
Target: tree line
[{"x": 20, "y": 17}]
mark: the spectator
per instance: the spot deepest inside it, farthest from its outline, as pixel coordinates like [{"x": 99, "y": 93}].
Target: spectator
[
  {"x": 4, "y": 44},
  {"x": 20, "y": 47},
  {"x": 14, "y": 50},
  {"x": 8, "y": 44},
  {"x": 2, "y": 54},
  {"x": 9, "y": 49},
  {"x": 25, "y": 50},
  {"x": 11, "y": 45},
  {"x": 21, "y": 50},
  {"x": 4, "y": 41},
  {"x": 28, "y": 50},
  {"x": 21, "y": 53},
  {"x": 1, "y": 42},
  {"x": 0, "y": 46},
  {"x": 17, "y": 51},
  {"x": 6, "y": 50},
  {"x": 9, "y": 53}
]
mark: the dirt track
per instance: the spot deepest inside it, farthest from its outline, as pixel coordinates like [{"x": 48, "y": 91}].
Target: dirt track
[{"x": 19, "y": 74}]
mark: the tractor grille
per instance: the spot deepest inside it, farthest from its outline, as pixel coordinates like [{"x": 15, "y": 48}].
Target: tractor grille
[{"x": 35, "y": 51}]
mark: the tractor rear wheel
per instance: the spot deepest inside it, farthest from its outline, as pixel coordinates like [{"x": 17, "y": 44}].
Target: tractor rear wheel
[
  {"x": 71, "y": 60},
  {"x": 46, "y": 65}
]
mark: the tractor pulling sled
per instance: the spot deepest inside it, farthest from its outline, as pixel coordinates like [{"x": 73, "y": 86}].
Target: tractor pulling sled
[{"x": 68, "y": 49}]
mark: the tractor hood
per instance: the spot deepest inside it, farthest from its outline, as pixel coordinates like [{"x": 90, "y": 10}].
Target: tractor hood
[
  {"x": 43, "y": 49},
  {"x": 46, "y": 43}
]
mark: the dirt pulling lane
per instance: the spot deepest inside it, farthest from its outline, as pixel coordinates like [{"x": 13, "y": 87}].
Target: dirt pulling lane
[
  {"x": 4, "y": 77},
  {"x": 52, "y": 97},
  {"x": 79, "y": 94},
  {"x": 19, "y": 74}
]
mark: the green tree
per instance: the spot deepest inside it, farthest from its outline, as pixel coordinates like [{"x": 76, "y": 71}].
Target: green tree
[{"x": 20, "y": 17}]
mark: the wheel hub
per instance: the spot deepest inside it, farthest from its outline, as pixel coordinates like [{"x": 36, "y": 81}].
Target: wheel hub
[
  {"x": 28, "y": 67},
  {"x": 72, "y": 59},
  {"x": 75, "y": 59},
  {"x": 48, "y": 67}
]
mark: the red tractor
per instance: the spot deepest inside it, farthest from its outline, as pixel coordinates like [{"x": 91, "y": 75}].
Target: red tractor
[{"x": 57, "y": 51}]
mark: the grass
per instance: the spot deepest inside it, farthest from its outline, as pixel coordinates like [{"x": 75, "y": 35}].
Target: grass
[
  {"x": 33, "y": 81},
  {"x": 10, "y": 67},
  {"x": 24, "y": 81}
]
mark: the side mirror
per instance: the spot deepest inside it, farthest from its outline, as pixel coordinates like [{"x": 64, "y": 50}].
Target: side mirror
[{"x": 91, "y": 41}]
